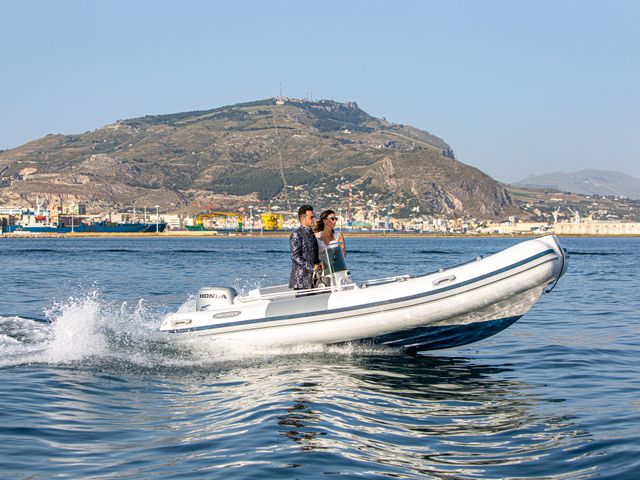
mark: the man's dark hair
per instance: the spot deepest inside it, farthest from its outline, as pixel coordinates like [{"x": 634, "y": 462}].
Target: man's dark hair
[{"x": 302, "y": 211}]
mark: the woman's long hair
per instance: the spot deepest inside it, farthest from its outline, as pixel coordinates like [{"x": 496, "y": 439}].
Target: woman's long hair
[{"x": 320, "y": 223}]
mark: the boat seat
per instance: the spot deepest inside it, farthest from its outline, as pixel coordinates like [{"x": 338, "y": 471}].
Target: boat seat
[{"x": 258, "y": 292}]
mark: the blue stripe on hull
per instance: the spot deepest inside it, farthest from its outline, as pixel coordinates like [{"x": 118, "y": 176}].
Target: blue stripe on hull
[{"x": 436, "y": 338}]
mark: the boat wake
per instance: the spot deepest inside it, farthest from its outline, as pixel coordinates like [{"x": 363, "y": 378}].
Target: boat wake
[{"x": 88, "y": 331}]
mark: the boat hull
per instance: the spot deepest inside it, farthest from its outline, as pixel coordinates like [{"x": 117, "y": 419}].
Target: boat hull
[
  {"x": 438, "y": 338},
  {"x": 444, "y": 309}
]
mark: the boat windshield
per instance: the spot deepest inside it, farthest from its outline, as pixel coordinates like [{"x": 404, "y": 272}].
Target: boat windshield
[{"x": 333, "y": 259}]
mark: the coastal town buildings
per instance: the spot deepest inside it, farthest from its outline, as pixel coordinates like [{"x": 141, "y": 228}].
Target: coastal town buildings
[{"x": 358, "y": 211}]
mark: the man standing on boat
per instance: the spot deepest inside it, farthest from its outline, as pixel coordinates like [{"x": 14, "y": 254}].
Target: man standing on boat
[{"x": 304, "y": 251}]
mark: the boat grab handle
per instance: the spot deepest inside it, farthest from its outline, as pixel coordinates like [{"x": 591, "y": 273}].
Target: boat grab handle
[{"x": 442, "y": 280}]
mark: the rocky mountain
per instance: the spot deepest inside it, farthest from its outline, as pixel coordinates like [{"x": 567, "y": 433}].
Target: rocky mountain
[
  {"x": 281, "y": 150},
  {"x": 587, "y": 182}
]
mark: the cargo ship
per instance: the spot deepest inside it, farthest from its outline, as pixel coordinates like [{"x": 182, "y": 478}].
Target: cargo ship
[
  {"x": 43, "y": 220},
  {"x": 98, "y": 227}
]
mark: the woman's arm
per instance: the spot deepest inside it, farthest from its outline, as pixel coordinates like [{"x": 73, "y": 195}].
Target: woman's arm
[{"x": 344, "y": 245}]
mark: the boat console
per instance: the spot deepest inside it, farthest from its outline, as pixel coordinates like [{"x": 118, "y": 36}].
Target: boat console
[
  {"x": 335, "y": 273},
  {"x": 335, "y": 276}
]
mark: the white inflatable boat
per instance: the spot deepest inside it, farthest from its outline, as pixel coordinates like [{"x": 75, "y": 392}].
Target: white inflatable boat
[{"x": 447, "y": 308}]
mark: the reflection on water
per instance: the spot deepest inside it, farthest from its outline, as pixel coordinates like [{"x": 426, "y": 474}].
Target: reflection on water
[
  {"x": 423, "y": 415},
  {"x": 377, "y": 412},
  {"x": 371, "y": 411}
]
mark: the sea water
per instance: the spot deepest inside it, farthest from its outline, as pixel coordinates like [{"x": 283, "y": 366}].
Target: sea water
[{"x": 91, "y": 389}]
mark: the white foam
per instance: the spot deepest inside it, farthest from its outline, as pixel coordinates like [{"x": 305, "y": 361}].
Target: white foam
[
  {"x": 23, "y": 329},
  {"x": 21, "y": 339},
  {"x": 75, "y": 330},
  {"x": 5, "y": 340}
]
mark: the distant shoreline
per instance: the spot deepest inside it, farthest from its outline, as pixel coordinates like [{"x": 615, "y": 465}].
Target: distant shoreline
[{"x": 212, "y": 234}]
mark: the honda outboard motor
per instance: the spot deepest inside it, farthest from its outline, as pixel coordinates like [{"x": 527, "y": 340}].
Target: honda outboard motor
[
  {"x": 335, "y": 273},
  {"x": 214, "y": 297}
]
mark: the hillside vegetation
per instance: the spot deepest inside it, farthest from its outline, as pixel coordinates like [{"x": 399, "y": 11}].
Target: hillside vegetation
[{"x": 249, "y": 152}]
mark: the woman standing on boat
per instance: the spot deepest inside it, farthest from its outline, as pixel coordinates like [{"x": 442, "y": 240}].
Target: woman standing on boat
[{"x": 326, "y": 231}]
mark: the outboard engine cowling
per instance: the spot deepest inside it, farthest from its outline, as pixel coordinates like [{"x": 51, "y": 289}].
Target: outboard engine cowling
[{"x": 215, "y": 297}]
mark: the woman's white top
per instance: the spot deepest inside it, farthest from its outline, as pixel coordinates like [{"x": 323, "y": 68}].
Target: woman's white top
[{"x": 323, "y": 246}]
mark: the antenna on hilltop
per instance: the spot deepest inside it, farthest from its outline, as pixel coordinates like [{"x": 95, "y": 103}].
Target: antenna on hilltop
[{"x": 280, "y": 99}]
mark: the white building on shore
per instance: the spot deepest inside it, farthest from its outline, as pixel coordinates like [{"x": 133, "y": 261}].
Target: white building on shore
[{"x": 598, "y": 228}]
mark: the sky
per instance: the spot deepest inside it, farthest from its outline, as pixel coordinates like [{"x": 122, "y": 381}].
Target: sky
[{"x": 515, "y": 87}]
